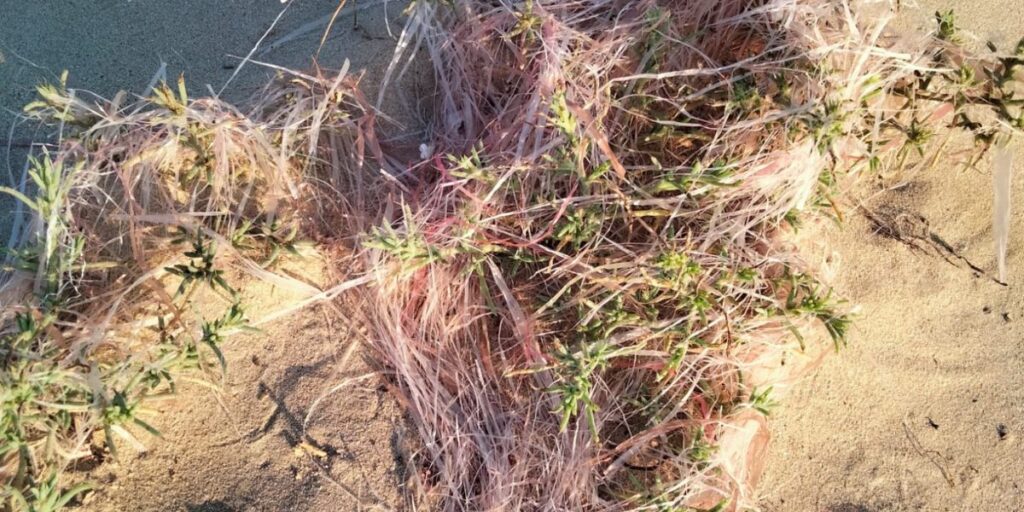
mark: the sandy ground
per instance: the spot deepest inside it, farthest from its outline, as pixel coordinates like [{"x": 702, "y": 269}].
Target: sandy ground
[
  {"x": 925, "y": 409},
  {"x": 301, "y": 422}
]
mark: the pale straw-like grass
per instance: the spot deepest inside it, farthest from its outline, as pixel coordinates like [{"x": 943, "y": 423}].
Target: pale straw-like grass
[{"x": 584, "y": 293}]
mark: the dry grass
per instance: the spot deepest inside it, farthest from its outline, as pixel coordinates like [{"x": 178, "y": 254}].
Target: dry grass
[
  {"x": 583, "y": 292},
  {"x": 143, "y": 210},
  {"x": 588, "y": 294}
]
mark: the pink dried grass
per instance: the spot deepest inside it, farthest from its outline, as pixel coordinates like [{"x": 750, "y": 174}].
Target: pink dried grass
[
  {"x": 547, "y": 114},
  {"x": 470, "y": 337}
]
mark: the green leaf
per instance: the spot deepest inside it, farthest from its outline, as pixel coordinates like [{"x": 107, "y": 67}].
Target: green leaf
[
  {"x": 182, "y": 92},
  {"x": 149, "y": 428},
  {"x": 219, "y": 354},
  {"x": 71, "y": 494},
  {"x": 21, "y": 197}
]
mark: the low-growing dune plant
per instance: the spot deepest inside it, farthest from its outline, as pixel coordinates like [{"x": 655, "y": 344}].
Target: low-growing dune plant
[{"x": 66, "y": 376}]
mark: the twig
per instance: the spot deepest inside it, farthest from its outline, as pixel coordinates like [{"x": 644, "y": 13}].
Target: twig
[{"x": 934, "y": 456}]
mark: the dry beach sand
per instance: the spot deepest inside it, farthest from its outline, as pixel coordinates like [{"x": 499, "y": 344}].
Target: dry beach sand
[{"x": 923, "y": 411}]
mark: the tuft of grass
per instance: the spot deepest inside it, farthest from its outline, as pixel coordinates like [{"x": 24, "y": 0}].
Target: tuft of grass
[{"x": 138, "y": 214}]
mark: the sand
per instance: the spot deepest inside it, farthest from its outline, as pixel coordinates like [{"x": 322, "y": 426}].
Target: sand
[
  {"x": 301, "y": 422},
  {"x": 111, "y": 45},
  {"x": 925, "y": 409}
]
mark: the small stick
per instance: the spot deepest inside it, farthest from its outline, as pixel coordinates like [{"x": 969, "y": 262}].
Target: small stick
[{"x": 933, "y": 456}]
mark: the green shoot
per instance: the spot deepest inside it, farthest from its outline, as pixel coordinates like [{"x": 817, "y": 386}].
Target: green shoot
[{"x": 200, "y": 268}]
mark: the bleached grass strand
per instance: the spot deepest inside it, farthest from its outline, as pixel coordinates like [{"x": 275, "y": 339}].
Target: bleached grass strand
[{"x": 1002, "y": 174}]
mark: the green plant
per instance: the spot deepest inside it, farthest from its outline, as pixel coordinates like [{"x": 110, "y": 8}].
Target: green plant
[
  {"x": 578, "y": 228},
  {"x": 48, "y": 496},
  {"x": 761, "y": 400},
  {"x": 947, "y": 26},
  {"x": 200, "y": 267},
  {"x": 67, "y": 367},
  {"x": 471, "y": 167},
  {"x": 806, "y": 298},
  {"x": 57, "y": 104},
  {"x": 46, "y": 407},
  {"x": 527, "y": 23},
  {"x": 575, "y": 386},
  {"x": 213, "y": 333},
  {"x": 56, "y": 250},
  {"x": 269, "y": 239},
  {"x": 408, "y": 246},
  {"x": 700, "y": 449}
]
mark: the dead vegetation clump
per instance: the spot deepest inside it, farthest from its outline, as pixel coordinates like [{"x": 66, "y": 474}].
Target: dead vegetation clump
[
  {"x": 588, "y": 293},
  {"x": 583, "y": 292}
]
